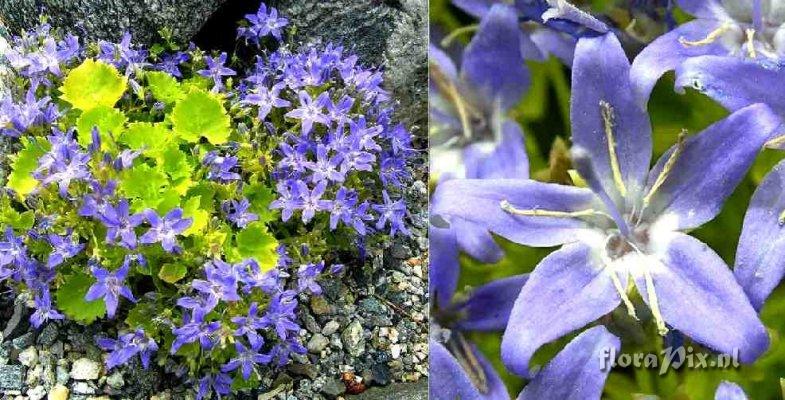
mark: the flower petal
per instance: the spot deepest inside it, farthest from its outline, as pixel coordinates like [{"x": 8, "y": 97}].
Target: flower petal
[
  {"x": 478, "y": 201},
  {"x": 444, "y": 267},
  {"x": 710, "y": 166},
  {"x": 667, "y": 52},
  {"x": 492, "y": 62},
  {"x": 488, "y": 307},
  {"x": 760, "y": 258},
  {"x": 449, "y": 381},
  {"x": 576, "y": 373},
  {"x": 567, "y": 290},
  {"x": 718, "y": 78},
  {"x": 506, "y": 159},
  {"x": 710, "y": 9},
  {"x": 602, "y": 80},
  {"x": 729, "y": 391},
  {"x": 692, "y": 273}
]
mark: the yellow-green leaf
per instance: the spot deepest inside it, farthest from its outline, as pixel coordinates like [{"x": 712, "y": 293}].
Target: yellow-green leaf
[
  {"x": 71, "y": 299},
  {"x": 164, "y": 87},
  {"x": 108, "y": 120},
  {"x": 93, "y": 84},
  {"x": 21, "y": 179},
  {"x": 201, "y": 217},
  {"x": 150, "y": 138},
  {"x": 200, "y": 114},
  {"x": 255, "y": 242},
  {"x": 171, "y": 273}
]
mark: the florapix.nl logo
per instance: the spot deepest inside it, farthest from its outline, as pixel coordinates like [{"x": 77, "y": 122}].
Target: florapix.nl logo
[{"x": 669, "y": 358}]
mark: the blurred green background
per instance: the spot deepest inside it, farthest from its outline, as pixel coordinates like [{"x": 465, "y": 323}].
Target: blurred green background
[{"x": 544, "y": 116}]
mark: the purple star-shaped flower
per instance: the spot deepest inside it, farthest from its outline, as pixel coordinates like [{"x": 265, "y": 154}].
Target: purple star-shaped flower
[
  {"x": 311, "y": 200},
  {"x": 727, "y": 39},
  {"x": 63, "y": 248},
  {"x": 249, "y": 324},
  {"x": 326, "y": 167},
  {"x": 247, "y": 358},
  {"x": 288, "y": 200},
  {"x": 263, "y": 23},
  {"x": 221, "y": 283},
  {"x": 393, "y": 212},
  {"x": 195, "y": 328},
  {"x": 280, "y": 315},
  {"x": 216, "y": 70},
  {"x": 110, "y": 286},
  {"x": 221, "y": 167},
  {"x": 306, "y": 278},
  {"x": 121, "y": 224},
  {"x": 170, "y": 63},
  {"x": 310, "y": 111},
  {"x": 13, "y": 250},
  {"x": 127, "y": 346},
  {"x": 44, "y": 311},
  {"x": 266, "y": 98},
  {"x": 626, "y": 225},
  {"x": 237, "y": 212},
  {"x": 220, "y": 384},
  {"x": 166, "y": 229}
]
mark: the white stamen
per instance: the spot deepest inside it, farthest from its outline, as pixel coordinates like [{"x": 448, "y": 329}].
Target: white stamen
[
  {"x": 536, "y": 212},
  {"x": 607, "y": 118},
  {"x": 709, "y": 39},
  {"x": 751, "y": 42}
]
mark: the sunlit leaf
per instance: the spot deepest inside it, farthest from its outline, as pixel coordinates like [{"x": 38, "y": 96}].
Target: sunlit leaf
[
  {"x": 200, "y": 114},
  {"x": 92, "y": 84}
]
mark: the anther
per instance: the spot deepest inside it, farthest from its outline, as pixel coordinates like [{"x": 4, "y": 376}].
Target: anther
[
  {"x": 654, "y": 304},
  {"x": 607, "y": 119},
  {"x": 781, "y": 219},
  {"x": 751, "y": 42},
  {"x": 709, "y": 39},
  {"x": 666, "y": 169}
]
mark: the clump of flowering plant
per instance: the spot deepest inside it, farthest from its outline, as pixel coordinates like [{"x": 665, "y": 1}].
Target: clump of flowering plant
[{"x": 163, "y": 183}]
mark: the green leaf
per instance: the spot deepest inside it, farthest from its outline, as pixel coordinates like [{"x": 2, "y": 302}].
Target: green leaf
[
  {"x": 255, "y": 242},
  {"x": 172, "y": 273},
  {"x": 140, "y": 316},
  {"x": 19, "y": 221},
  {"x": 164, "y": 87},
  {"x": 260, "y": 196},
  {"x": 192, "y": 209},
  {"x": 201, "y": 114},
  {"x": 92, "y": 84},
  {"x": 24, "y": 163},
  {"x": 70, "y": 299},
  {"x": 107, "y": 119},
  {"x": 150, "y": 138},
  {"x": 143, "y": 182},
  {"x": 174, "y": 162}
]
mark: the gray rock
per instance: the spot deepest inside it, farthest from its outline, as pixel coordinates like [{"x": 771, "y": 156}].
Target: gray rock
[
  {"x": 48, "y": 335},
  {"x": 317, "y": 343},
  {"x": 330, "y": 328},
  {"x": 36, "y": 393},
  {"x": 392, "y": 34},
  {"x": 29, "y": 357},
  {"x": 108, "y": 19},
  {"x": 398, "y": 391},
  {"x": 85, "y": 369},
  {"x": 18, "y": 323},
  {"x": 83, "y": 388},
  {"x": 12, "y": 377},
  {"x": 24, "y": 341},
  {"x": 333, "y": 388},
  {"x": 307, "y": 370},
  {"x": 115, "y": 381},
  {"x": 353, "y": 339}
]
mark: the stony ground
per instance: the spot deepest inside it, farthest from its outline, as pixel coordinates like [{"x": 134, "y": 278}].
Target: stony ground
[{"x": 368, "y": 331}]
